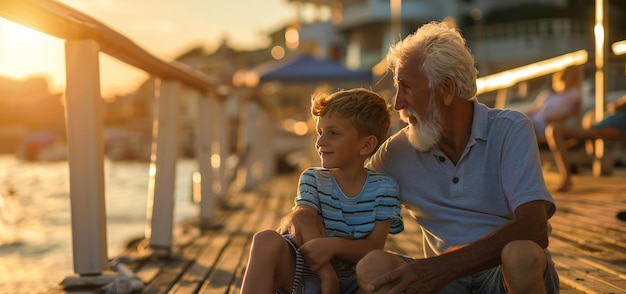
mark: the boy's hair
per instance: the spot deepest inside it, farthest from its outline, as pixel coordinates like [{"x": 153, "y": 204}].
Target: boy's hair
[{"x": 367, "y": 110}]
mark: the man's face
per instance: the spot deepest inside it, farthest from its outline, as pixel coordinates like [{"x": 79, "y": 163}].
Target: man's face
[
  {"x": 417, "y": 105},
  {"x": 424, "y": 133}
]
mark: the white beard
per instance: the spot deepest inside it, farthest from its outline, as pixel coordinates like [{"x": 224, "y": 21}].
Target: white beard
[{"x": 423, "y": 134}]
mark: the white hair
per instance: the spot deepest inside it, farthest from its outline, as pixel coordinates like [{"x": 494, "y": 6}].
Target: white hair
[{"x": 444, "y": 54}]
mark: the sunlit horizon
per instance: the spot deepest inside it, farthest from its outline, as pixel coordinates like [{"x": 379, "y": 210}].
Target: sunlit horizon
[{"x": 164, "y": 30}]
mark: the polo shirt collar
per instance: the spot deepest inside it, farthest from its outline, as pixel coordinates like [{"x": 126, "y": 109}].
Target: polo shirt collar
[{"x": 479, "y": 122}]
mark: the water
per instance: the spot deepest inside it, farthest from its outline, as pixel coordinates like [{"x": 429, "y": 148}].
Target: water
[{"x": 35, "y": 227}]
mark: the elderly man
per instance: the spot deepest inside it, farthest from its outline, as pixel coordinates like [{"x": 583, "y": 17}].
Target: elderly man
[{"x": 469, "y": 175}]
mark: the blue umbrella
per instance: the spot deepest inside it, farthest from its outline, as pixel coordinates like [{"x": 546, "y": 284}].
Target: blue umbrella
[{"x": 305, "y": 68}]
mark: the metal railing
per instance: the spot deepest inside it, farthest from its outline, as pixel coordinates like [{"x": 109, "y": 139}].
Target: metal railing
[{"x": 85, "y": 39}]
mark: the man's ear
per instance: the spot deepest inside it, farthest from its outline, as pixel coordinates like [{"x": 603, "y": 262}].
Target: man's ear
[
  {"x": 447, "y": 88},
  {"x": 368, "y": 144}
]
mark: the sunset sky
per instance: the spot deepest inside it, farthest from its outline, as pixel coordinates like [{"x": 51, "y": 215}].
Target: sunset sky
[{"x": 164, "y": 28}]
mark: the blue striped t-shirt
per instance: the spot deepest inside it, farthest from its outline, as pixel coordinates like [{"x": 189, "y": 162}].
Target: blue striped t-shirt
[{"x": 356, "y": 216}]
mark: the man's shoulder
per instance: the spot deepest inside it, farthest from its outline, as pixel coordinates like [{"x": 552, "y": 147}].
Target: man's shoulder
[
  {"x": 397, "y": 146},
  {"x": 397, "y": 139},
  {"x": 506, "y": 114},
  {"x": 494, "y": 121}
]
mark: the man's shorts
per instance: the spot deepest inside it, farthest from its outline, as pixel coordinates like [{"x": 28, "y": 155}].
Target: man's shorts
[
  {"x": 306, "y": 281},
  {"x": 490, "y": 281}
]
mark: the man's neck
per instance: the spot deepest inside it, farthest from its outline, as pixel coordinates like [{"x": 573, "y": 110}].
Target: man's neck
[{"x": 456, "y": 133}]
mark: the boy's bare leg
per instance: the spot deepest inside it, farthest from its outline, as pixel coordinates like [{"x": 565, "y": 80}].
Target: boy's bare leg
[
  {"x": 329, "y": 279},
  {"x": 271, "y": 265}
]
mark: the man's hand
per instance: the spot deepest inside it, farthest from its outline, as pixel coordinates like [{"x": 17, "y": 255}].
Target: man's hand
[{"x": 421, "y": 276}]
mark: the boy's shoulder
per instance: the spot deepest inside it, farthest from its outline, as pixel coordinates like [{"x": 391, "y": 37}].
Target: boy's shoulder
[
  {"x": 317, "y": 171},
  {"x": 380, "y": 177}
]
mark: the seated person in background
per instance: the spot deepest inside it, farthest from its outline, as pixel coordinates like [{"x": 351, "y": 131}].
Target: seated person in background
[
  {"x": 612, "y": 126},
  {"x": 560, "y": 104},
  {"x": 353, "y": 208}
]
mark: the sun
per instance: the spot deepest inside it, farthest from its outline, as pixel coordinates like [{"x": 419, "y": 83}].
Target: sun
[{"x": 26, "y": 52}]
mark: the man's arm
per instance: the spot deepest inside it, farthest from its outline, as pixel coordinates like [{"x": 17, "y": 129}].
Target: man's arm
[
  {"x": 530, "y": 223},
  {"x": 431, "y": 274}
]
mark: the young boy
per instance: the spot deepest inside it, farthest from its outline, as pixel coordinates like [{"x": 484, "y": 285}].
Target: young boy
[{"x": 357, "y": 207}]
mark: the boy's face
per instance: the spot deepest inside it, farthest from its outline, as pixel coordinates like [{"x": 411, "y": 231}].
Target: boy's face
[{"x": 338, "y": 142}]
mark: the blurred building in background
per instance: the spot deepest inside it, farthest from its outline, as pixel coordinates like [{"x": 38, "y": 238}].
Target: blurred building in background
[
  {"x": 31, "y": 118},
  {"x": 352, "y": 34}
]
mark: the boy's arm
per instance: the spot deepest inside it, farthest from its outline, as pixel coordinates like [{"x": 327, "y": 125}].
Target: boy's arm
[
  {"x": 319, "y": 252},
  {"x": 303, "y": 223},
  {"x": 354, "y": 249}
]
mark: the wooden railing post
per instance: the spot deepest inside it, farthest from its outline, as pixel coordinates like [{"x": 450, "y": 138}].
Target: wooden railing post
[
  {"x": 600, "y": 60},
  {"x": 256, "y": 138},
  {"x": 266, "y": 144},
  {"x": 205, "y": 137},
  {"x": 246, "y": 143},
  {"x": 162, "y": 180},
  {"x": 85, "y": 150},
  {"x": 221, "y": 148}
]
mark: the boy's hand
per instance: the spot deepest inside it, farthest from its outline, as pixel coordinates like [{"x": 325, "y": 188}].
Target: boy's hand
[{"x": 318, "y": 252}]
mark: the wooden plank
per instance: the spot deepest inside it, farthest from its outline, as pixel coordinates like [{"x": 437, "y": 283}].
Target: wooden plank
[
  {"x": 202, "y": 266},
  {"x": 168, "y": 275},
  {"x": 202, "y": 248},
  {"x": 219, "y": 273},
  {"x": 587, "y": 242},
  {"x": 210, "y": 263},
  {"x": 149, "y": 270},
  {"x": 224, "y": 274},
  {"x": 587, "y": 278}
]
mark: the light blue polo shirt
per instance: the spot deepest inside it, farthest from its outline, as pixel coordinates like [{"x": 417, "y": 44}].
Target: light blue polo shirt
[{"x": 499, "y": 170}]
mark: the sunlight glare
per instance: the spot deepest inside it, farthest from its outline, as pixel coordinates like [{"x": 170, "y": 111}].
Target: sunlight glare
[{"x": 25, "y": 52}]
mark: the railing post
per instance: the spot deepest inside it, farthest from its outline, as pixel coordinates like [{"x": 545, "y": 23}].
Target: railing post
[
  {"x": 162, "y": 180},
  {"x": 206, "y": 124},
  {"x": 85, "y": 150},
  {"x": 222, "y": 149},
  {"x": 601, "y": 31},
  {"x": 247, "y": 135},
  {"x": 265, "y": 144}
]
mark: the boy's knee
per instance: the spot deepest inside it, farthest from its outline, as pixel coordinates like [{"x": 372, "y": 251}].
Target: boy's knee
[{"x": 267, "y": 238}]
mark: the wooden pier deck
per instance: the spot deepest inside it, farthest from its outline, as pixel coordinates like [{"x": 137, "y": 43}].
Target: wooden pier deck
[{"x": 588, "y": 242}]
